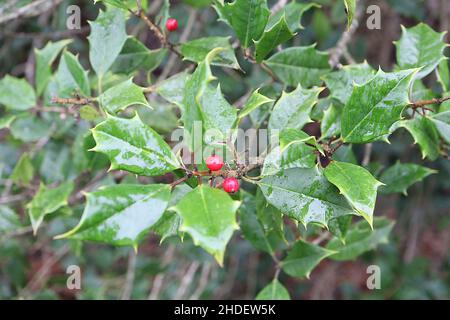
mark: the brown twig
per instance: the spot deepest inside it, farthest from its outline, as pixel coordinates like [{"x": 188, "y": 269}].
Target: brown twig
[
  {"x": 422, "y": 103},
  {"x": 74, "y": 101}
]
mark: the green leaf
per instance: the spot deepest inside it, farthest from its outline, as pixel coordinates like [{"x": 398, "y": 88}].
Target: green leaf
[
  {"x": 30, "y": 128},
  {"x": 425, "y": 134},
  {"x": 209, "y": 217},
  {"x": 350, "y": 9},
  {"x": 71, "y": 77},
  {"x": 123, "y": 4},
  {"x": 361, "y": 238},
  {"x": 375, "y": 106},
  {"x": 331, "y": 122},
  {"x": 136, "y": 56},
  {"x": 16, "y": 94},
  {"x": 293, "y": 152},
  {"x": 134, "y": 147},
  {"x": 205, "y": 104},
  {"x": 303, "y": 258},
  {"x": 341, "y": 82},
  {"x": 339, "y": 227},
  {"x": 443, "y": 75},
  {"x": 6, "y": 120},
  {"x": 47, "y": 201},
  {"x": 357, "y": 185},
  {"x": 248, "y": 18},
  {"x": 106, "y": 40},
  {"x": 292, "y": 110},
  {"x": 304, "y": 65},
  {"x": 274, "y": 291},
  {"x": 260, "y": 232},
  {"x": 256, "y": 100},
  {"x": 271, "y": 38},
  {"x": 23, "y": 171},
  {"x": 121, "y": 214},
  {"x": 197, "y": 50},
  {"x": 442, "y": 123},
  {"x": 420, "y": 47},
  {"x": 305, "y": 195},
  {"x": 89, "y": 113},
  {"x": 172, "y": 89},
  {"x": 401, "y": 176},
  {"x": 345, "y": 154},
  {"x": 121, "y": 96},
  {"x": 9, "y": 220},
  {"x": 293, "y": 12},
  {"x": 44, "y": 60}
]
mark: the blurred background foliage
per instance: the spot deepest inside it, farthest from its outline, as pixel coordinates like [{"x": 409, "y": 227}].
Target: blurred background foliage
[{"x": 415, "y": 264}]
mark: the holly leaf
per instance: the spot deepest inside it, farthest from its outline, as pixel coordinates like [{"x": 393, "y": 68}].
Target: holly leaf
[
  {"x": 121, "y": 214},
  {"x": 420, "y": 47},
  {"x": 425, "y": 135},
  {"x": 107, "y": 38},
  {"x": 303, "y": 258},
  {"x": 350, "y": 9},
  {"x": 292, "y": 110},
  {"x": 305, "y": 195},
  {"x": 44, "y": 60},
  {"x": 255, "y": 101},
  {"x": 304, "y": 65},
  {"x": 47, "y": 201},
  {"x": 121, "y": 96},
  {"x": 197, "y": 50},
  {"x": 133, "y": 146},
  {"x": 293, "y": 13},
  {"x": 262, "y": 234},
  {"x": 375, "y": 106},
  {"x": 330, "y": 125},
  {"x": 248, "y": 18},
  {"x": 274, "y": 291},
  {"x": 135, "y": 56},
  {"x": 172, "y": 89},
  {"x": 341, "y": 82},
  {"x": 209, "y": 217},
  {"x": 71, "y": 77},
  {"x": 357, "y": 185},
  {"x": 6, "y": 120},
  {"x": 9, "y": 220},
  {"x": 271, "y": 38},
  {"x": 443, "y": 75},
  {"x": 293, "y": 152},
  {"x": 23, "y": 171},
  {"x": 361, "y": 238},
  {"x": 16, "y": 94},
  {"x": 399, "y": 177},
  {"x": 442, "y": 122}
]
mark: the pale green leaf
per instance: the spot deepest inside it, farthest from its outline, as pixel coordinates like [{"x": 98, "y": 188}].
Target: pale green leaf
[
  {"x": 331, "y": 122},
  {"x": 9, "y": 220},
  {"x": 420, "y": 47},
  {"x": 47, "y": 201},
  {"x": 172, "y": 89},
  {"x": 304, "y": 65},
  {"x": 293, "y": 109},
  {"x": 443, "y": 75},
  {"x": 255, "y": 101},
  {"x": 209, "y": 217},
  {"x": 23, "y": 171},
  {"x": 133, "y": 146},
  {"x": 357, "y": 185},
  {"x": 442, "y": 123},
  {"x": 16, "y": 94},
  {"x": 106, "y": 40},
  {"x": 71, "y": 77},
  {"x": 273, "y": 291},
  {"x": 350, "y": 8},
  {"x": 121, "y": 96},
  {"x": 121, "y": 214},
  {"x": 197, "y": 50},
  {"x": 293, "y": 12}
]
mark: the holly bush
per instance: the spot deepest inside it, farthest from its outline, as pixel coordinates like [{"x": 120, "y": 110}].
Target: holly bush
[{"x": 112, "y": 159}]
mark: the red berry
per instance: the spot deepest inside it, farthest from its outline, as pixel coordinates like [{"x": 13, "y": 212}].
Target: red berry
[
  {"x": 214, "y": 163},
  {"x": 231, "y": 185},
  {"x": 172, "y": 24}
]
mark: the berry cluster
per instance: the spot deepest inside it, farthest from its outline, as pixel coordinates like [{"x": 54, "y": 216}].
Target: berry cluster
[{"x": 215, "y": 163}]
